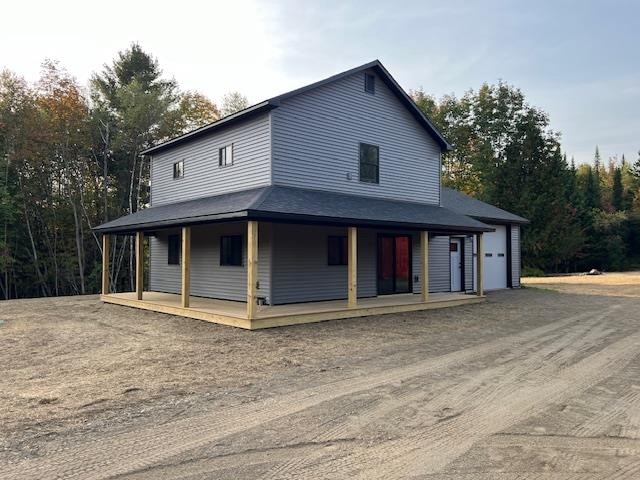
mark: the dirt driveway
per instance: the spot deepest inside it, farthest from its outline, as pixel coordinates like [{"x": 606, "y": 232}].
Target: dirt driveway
[{"x": 534, "y": 384}]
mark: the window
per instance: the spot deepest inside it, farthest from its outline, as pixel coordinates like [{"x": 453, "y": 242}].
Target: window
[
  {"x": 369, "y": 155},
  {"x": 369, "y": 83},
  {"x": 337, "y": 250},
  {"x": 231, "y": 250},
  {"x": 174, "y": 250},
  {"x": 225, "y": 156},
  {"x": 178, "y": 169}
]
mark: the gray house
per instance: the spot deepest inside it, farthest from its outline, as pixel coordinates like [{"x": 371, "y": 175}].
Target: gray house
[{"x": 321, "y": 203}]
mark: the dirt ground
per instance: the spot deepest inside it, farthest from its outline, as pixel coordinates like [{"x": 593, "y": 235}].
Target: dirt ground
[{"x": 537, "y": 383}]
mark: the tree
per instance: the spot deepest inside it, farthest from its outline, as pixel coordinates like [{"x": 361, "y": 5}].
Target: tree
[
  {"x": 617, "y": 190},
  {"x": 506, "y": 154},
  {"x": 233, "y": 102}
]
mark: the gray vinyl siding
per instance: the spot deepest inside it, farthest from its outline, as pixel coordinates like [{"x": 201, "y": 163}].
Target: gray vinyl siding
[
  {"x": 316, "y": 137},
  {"x": 208, "y": 277},
  {"x": 439, "y": 264},
  {"x": 300, "y": 269},
  {"x": 516, "y": 259},
  {"x": 468, "y": 265},
  {"x": 202, "y": 175}
]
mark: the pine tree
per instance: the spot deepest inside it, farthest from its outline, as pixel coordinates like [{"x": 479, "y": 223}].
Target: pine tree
[
  {"x": 591, "y": 191},
  {"x": 617, "y": 191},
  {"x": 596, "y": 180}
]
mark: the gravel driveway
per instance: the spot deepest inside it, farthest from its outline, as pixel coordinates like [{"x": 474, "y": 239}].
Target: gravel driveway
[{"x": 533, "y": 384}]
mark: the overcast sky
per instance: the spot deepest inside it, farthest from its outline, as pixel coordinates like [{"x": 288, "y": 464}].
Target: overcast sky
[{"x": 578, "y": 60}]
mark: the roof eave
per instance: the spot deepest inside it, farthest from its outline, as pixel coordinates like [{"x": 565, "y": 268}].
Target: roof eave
[
  {"x": 360, "y": 222},
  {"x": 157, "y": 225}
]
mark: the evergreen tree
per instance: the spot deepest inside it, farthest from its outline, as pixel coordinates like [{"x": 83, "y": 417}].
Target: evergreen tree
[
  {"x": 617, "y": 190},
  {"x": 596, "y": 181},
  {"x": 591, "y": 190}
]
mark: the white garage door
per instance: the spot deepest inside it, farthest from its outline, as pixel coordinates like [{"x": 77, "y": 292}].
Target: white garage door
[{"x": 495, "y": 258}]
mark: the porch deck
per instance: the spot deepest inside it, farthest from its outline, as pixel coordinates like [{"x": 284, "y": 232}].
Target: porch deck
[{"x": 235, "y": 313}]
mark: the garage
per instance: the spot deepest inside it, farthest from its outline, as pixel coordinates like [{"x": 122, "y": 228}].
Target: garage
[{"x": 501, "y": 247}]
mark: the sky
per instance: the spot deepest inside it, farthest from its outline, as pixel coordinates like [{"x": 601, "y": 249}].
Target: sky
[{"x": 577, "y": 60}]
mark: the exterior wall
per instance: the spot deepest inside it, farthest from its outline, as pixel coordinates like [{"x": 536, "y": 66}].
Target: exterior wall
[
  {"x": 316, "y": 137},
  {"x": 208, "y": 277},
  {"x": 469, "y": 266},
  {"x": 516, "y": 259},
  {"x": 300, "y": 270},
  {"x": 202, "y": 175},
  {"x": 439, "y": 264}
]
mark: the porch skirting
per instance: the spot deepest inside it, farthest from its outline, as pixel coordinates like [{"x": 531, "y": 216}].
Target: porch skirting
[{"x": 235, "y": 313}]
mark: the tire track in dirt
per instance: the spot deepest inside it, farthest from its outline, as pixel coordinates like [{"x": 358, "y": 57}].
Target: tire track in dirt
[
  {"x": 619, "y": 408},
  {"x": 501, "y": 405},
  {"x": 467, "y": 392},
  {"x": 433, "y": 449},
  {"x": 139, "y": 449}
]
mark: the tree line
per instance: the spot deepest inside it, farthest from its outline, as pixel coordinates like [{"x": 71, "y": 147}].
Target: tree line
[
  {"x": 70, "y": 160},
  {"x": 506, "y": 153}
]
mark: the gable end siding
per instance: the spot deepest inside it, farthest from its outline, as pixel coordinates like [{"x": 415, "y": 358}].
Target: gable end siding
[
  {"x": 202, "y": 176},
  {"x": 317, "y": 135}
]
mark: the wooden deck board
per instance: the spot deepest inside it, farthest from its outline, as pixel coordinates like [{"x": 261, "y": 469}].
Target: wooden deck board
[{"x": 235, "y": 313}]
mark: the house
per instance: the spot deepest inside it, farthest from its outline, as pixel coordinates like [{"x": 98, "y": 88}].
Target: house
[{"x": 321, "y": 203}]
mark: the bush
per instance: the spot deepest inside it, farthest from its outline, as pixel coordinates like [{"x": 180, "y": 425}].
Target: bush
[{"x": 532, "y": 272}]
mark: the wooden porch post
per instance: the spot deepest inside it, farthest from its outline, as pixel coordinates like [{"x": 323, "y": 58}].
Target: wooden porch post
[
  {"x": 186, "y": 266},
  {"x": 139, "y": 264},
  {"x": 105, "y": 263},
  {"x": 480, "y": 262},
  {"x": 252, "y": 267},
  {"x": 424, "y": 264},
  {"x": 352, "y": 267}
]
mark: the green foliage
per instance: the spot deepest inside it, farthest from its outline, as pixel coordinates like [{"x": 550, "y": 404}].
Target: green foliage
[
  {"x": 532, "y": 272},
  {"x": 69, "y": 161}
]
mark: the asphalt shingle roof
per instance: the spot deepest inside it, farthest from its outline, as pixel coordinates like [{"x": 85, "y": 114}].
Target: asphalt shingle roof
[
  {"x": 466, "y": 205},
  {"x": 300, "y": 205}
]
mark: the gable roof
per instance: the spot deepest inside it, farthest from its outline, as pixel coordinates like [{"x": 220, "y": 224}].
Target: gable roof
[
  {"x": 293, "y": 204},
  {"x": 274, "y": 102},
  {"x": 466, "y": 205}
]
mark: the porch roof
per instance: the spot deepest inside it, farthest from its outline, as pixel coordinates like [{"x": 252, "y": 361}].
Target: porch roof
[{"x": 291, "y": 204}]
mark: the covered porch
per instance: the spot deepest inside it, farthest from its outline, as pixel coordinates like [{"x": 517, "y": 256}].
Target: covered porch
[{"x": 302, "y": 221}]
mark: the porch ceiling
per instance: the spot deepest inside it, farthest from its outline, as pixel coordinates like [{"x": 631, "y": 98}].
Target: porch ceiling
[{"x": 290, "y": 204}]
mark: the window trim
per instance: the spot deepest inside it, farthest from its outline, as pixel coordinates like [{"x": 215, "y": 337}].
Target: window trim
[
  {"x": 343, "y": 251},
  {"x": 181, "y": 169},
  {"x": 360, "y": 150},
  {"x": 177, "y": 238},
  {"x": 225, "y": 149},
  {"x": 223, "y": 262},
  {"x": 369, "y": 87}
]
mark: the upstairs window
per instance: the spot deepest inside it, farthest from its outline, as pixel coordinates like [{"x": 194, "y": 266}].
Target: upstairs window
[
  {"x": 174, "y": 250},
  {"x": 178, "y": 169},
  {"x": 369, "y": 163},
  {"x": 225, "y": 156},
  {"x": 231, "y": 250},
  {"x": 337, "y": 250},
  {"x": 370, "y": 83}
]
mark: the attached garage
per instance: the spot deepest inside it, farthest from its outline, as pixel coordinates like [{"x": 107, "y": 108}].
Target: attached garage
[{"x": 501, "y": 247}]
